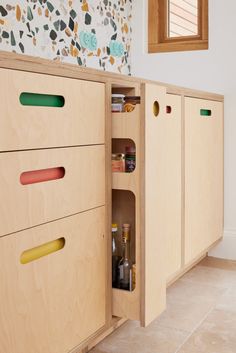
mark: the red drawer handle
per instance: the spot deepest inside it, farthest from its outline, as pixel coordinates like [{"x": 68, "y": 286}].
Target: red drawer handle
[{"x": 39, "y": 176}]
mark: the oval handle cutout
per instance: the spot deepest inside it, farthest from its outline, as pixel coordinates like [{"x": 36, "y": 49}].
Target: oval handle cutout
[
  {"x": 168, "y": 109},
  {"x": 41, "y": 100},
  {"x": 42, "y": 175},
  {"x": 156, "y": 108},
  {"x": 42, "y": 250},
  {"x": 205, "y": 112}
]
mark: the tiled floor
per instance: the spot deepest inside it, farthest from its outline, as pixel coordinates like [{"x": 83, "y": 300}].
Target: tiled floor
[{"x": 200, "y": 316}]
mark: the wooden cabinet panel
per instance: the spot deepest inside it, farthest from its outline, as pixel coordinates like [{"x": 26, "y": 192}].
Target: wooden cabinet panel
[
  {"x": 203, "y": 175},
  {"x": 171, "y": 165},
  {"x": 81, "y": 188},
  {"x": 54, "y": 303},
  {"x": 80, "y": 121},
  {"x": 153, "y": 273}
]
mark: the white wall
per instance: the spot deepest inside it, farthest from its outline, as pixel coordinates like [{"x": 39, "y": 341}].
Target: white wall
[{"x": 213, "y": 70}]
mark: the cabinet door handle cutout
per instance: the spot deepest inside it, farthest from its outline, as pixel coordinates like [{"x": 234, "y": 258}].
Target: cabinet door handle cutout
[
  {"x": 42, "y": 250},
  {"x": 168, "y": 109},
  {"x": 156, "y": 108},
  {"x": 42, "y": 175},
  {"x": 42, "y": 100},
  {"x": 205, "y": 112}
]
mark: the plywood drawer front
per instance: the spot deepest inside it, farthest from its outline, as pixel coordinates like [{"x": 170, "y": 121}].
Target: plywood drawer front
[
  {"x": 203, "y": 175},
  {"x": 79, "y": 122},
  {"x": 81, "y": 188},
  {"x": 53, "y": 303}
]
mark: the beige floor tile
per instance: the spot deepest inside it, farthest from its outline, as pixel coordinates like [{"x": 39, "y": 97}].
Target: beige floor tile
[
  {"x": 219, "y": 263},
  {"x": 211, "y": 276},
  {"x": 227, "y": 301},
  {"x": 188, "y": 303},
  {"x": 201, "y": 306},
  {"x": 130, "y": 338},
  {"x": 215, "y": 335},
  {"x": 185, "y": 314},
  {"x": 190, "y": 290}
]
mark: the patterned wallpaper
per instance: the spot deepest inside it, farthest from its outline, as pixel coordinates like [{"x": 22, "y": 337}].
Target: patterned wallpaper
[{"x": 92, "y": 33}]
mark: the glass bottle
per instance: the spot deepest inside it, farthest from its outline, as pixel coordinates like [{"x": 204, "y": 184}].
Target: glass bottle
[
  {"x": 125, "y": 264},
  {"x": 115, "y": 255}
]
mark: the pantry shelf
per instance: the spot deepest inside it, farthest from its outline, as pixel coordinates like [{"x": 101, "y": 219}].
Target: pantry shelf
[
  {"x": 127, "y": 125},
  {"x": 126, "y": 304},
  {"x": 126, "y": 181}
]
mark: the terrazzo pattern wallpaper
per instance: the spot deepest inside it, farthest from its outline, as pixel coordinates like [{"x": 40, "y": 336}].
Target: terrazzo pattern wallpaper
[{"x": 92, "y": 33}]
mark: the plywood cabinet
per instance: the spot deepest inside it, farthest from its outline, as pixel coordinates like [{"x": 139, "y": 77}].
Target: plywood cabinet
[
  {"x": 57, "y": 185},
  {"x": 203, "y": 175},
  {"x": 140, "y": 192},
  {"x": 193, "y": 208},
  {"x": 54, "y": 212}
]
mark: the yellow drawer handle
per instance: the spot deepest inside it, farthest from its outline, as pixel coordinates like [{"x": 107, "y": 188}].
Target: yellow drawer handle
[
  {"x": 42, "y": 250},
  {"x": 41, "y": 100},
  {"x": 205, "y": 112}
]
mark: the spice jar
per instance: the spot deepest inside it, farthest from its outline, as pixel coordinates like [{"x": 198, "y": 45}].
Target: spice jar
[
  {"x": 118, "y": 162},
  {"x": 129, "y": 159},
  {"x": 117, "y": 103}
]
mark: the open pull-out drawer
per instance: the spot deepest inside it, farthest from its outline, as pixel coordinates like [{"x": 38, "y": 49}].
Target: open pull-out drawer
[
  {"x": 137, "y": 200},
  {"x": 44, "y": 185},
  {"x": 203, "y": 175},
  {"x": 39, "y": 111},
  {"x": 53, "y": 280}
]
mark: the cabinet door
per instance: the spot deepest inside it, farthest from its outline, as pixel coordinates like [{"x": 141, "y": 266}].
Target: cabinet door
[
  {"x": 54, "y": 302},
  {"x": 153, "y": 253},
  {"x": 171, "y": 164},
  {"x": 203, "y": 175}
]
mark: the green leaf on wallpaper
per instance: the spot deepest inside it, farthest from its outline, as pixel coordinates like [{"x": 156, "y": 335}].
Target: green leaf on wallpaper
[
  {"x": 13, "y": 41},
  {"x": 73, "y": 14},
  {"x": 50, "y": 6},
  {"x": 29, "y": 13},
  {"x": 79, "y": 61},
  {"x": 88, "y": 19}
]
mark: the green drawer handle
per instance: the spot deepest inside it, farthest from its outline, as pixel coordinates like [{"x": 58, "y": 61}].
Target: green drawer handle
[
  {"x": 41, "y": 100},
  {"x": 205, "y": 112},
  {"x": 42, "y": 250}
]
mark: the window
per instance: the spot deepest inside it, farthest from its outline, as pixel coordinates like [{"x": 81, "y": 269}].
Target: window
[{"x": 177, "y": 25}]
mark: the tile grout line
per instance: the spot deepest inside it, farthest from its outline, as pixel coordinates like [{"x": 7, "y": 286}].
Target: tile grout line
[
  {"x": 198, "y": 325},
  {"x": 195, "y": 328}
]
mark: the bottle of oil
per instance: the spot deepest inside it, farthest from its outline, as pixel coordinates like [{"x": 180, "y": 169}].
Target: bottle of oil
[
  {"x": 116, "y": 257},
  {"x": 125, "y": 264}
]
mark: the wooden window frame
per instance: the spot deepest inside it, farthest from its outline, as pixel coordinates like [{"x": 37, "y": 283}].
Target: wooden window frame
[{"x": 157, "y": 29}]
